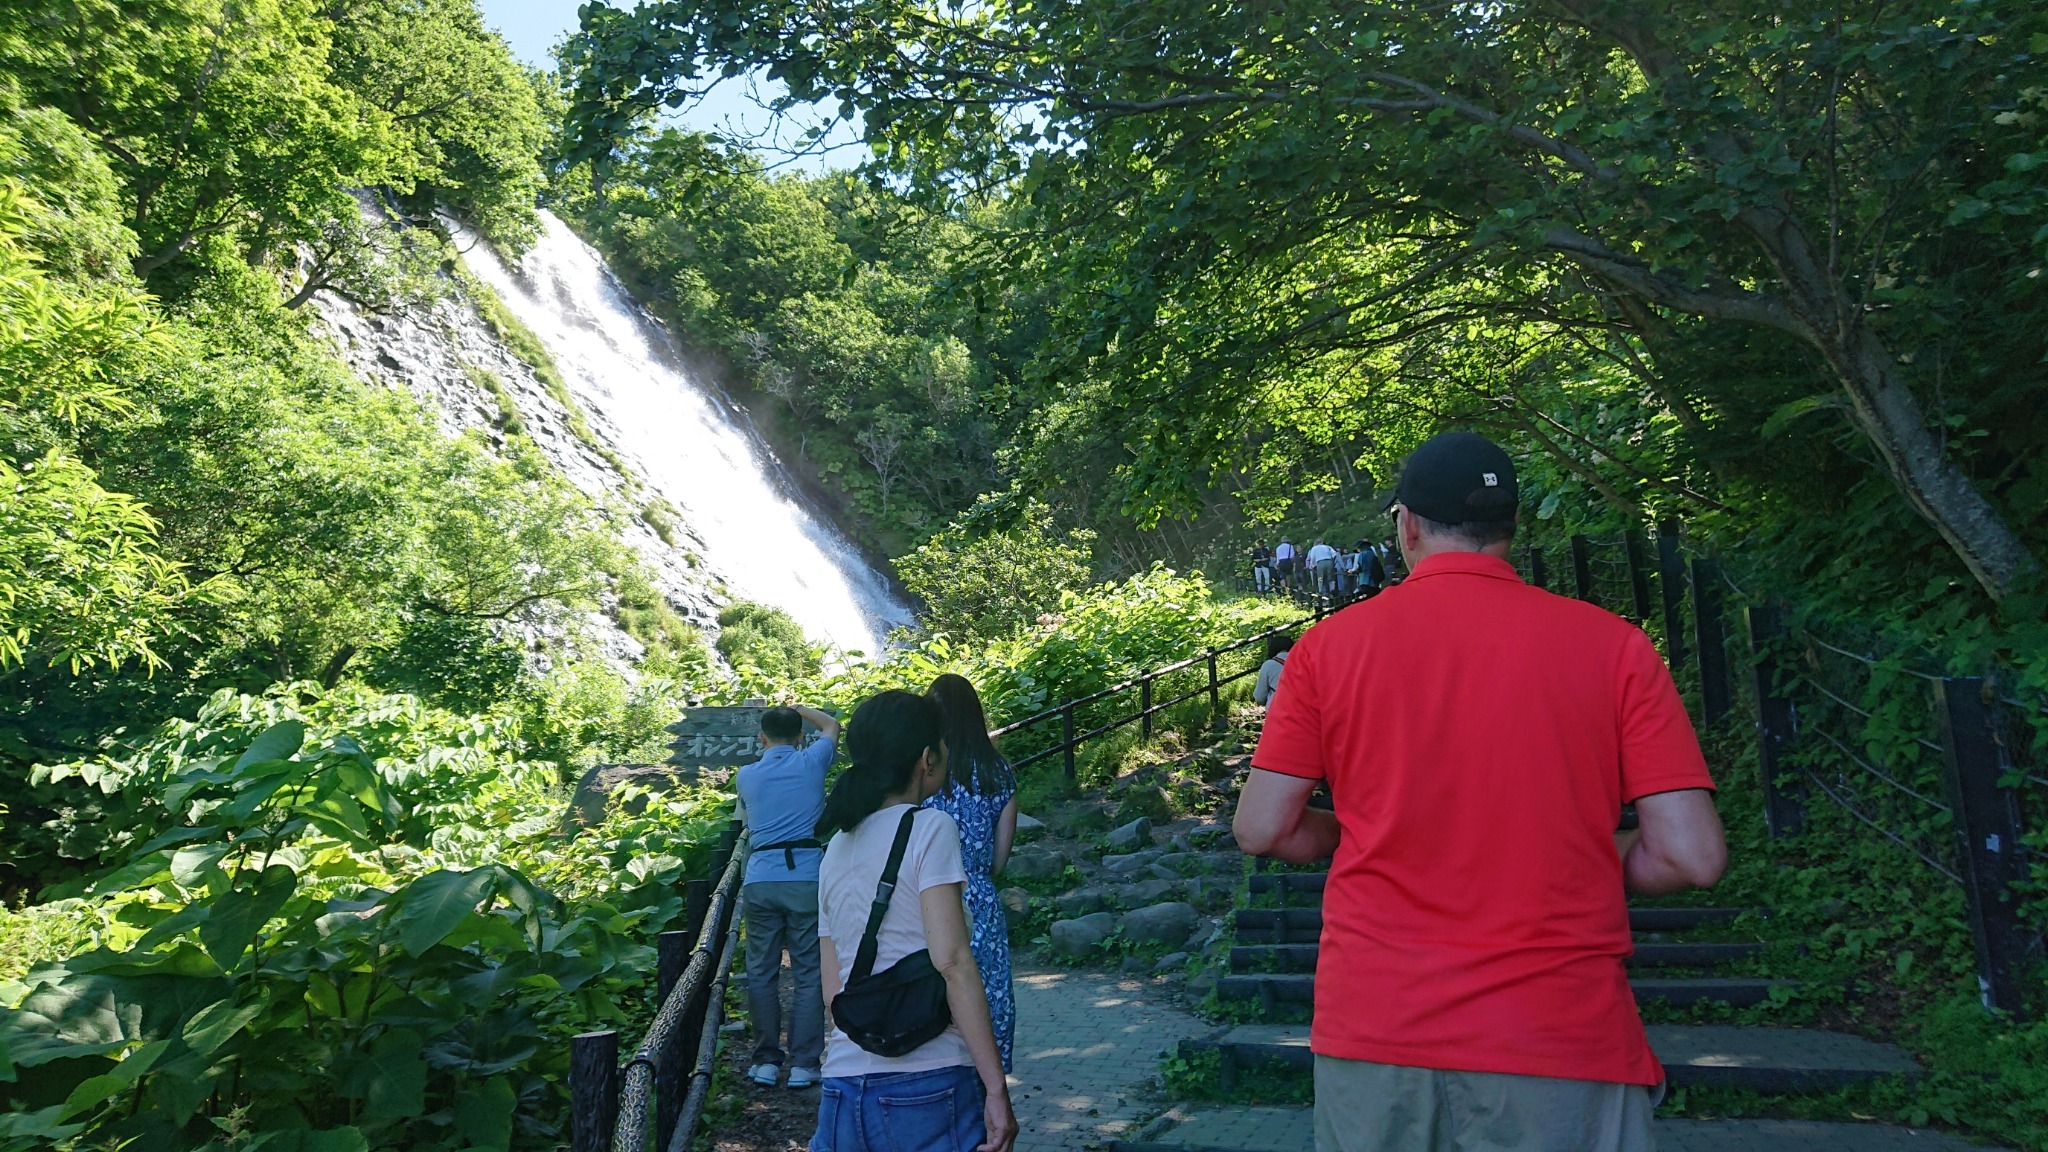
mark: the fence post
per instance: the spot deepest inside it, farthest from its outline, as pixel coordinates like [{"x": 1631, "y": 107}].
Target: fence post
[
  {"x": 1671, "y": 583},
  {"x": 1582, "y": 570},
  {"x": 1987, "y": 819},
  {"x": 593, "y": 1090},
  {"x": 1708, "y": 639},
  {"x": 1538, "y": 574},
  {"x": 1638, "y": 572},
  {"x": 1145, "y": 708},
  {"x": 1215, "y": 693},
  {"x": 696, "y": 902},
  {"x": 672, "y": 955},
  {"x": 728, "y": 839},
  {"x": 1067, "y": 737},
  {"x": 1784, "y": 797}
]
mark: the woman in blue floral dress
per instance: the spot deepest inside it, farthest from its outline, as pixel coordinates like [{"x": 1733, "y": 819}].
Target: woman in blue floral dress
[{"x": 982, "y": 798}]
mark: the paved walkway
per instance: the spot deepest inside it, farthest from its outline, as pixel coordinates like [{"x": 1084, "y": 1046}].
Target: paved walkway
[
  {"x": 1087, "y": 1042},
  {"x": 1293, "y": 1130}
]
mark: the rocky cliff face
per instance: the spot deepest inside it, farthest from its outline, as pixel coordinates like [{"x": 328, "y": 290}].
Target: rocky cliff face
[{"x": 447, "y": 354}]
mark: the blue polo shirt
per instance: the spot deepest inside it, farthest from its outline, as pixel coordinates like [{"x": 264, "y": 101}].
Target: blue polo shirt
[{"x": 784, "y": 793}]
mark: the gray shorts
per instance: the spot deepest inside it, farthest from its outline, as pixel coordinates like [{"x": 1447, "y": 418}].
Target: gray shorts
[{"x": 1365, "y": 1107}]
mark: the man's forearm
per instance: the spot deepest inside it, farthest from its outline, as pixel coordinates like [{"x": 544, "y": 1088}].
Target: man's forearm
[
  {"x": 1314, "y": 838},
  {"x": 819, "y": 720}
]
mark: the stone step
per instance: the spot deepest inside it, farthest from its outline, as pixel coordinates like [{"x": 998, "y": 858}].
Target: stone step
[
  {"x": 1271, "y": 989},
  {"x": 1256, "y": 958},
  {"x": 1304, "y": 925},
  {"x": 1781, "y": 1060},
  {"x": 1239, "y": 1128}
]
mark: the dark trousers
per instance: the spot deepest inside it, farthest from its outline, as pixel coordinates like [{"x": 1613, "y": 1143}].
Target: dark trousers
[{"x": 784, "y": 914}]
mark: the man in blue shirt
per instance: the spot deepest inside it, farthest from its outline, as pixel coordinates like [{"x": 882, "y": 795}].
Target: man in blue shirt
[{"x": 781, "y": 797}]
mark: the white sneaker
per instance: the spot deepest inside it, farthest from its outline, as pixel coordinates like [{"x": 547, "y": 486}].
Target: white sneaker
[
  {"x": 804, "y": 1077},
  {"x": 764, "y": 1074}
]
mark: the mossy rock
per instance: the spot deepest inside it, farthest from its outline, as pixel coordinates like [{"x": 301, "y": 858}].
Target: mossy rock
[{"x": 1150, "y": 801}]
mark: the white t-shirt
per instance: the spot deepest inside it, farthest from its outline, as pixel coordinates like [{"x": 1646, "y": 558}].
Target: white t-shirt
[
  {"x": 847, "y": 879},
  {"x": 1320, "y": 553}
]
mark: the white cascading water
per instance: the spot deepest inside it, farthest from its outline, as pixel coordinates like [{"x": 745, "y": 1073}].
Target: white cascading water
[{"x": 688, "y": 444}]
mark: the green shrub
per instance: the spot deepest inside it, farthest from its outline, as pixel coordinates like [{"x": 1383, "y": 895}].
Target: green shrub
[{"x": 766, "y": 640}]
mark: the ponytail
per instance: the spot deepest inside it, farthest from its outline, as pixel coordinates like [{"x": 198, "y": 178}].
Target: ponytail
[{"x": 884, "y": 739}]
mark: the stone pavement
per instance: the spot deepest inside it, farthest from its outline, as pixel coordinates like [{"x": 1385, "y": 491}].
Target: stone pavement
[
  {"x": 1087, "y": 1043},
  {"x": 1293, "y": 1130}
]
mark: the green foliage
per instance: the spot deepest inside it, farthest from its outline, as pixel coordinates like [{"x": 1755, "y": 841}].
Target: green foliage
[
  {"x": 766, "y": 641},
  {"x": 982, "y": 578},
  {"x": 339, "y": 927}
]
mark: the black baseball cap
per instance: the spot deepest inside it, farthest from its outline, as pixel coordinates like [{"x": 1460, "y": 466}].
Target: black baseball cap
[{"x": 1458, "y": 477}]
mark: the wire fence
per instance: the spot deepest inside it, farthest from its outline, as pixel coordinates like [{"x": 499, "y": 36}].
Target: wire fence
[{"x": 1944, "y": 768}]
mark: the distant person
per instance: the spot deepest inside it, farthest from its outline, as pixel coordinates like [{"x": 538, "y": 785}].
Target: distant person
[
  {"x": 1349, "y": 579},
  {"x": 1394, "y": 566},
  {"x": 1277, "y": 647},
  {"x": 1262, "y": 569},
  {"x": 1284, "y": 558},
  {"x": 981, "y": 797},
  {"x": 1372, "y": 571},
  {"x": 948, "y": 1093},
  {"x": 782, "y": 794},
  {"x": 1479, "y": 738},
  {"x": 1322, "y": 563}
]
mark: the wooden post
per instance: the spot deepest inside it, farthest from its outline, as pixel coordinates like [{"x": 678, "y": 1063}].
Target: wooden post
[
  {"x": 1145, "y": 708},
  {"x": 728, "y": 839},
  {"x": 671, "y": 1078},
  {"x": 1067, "y": 736},
  {"x": 1215, "y": 693},
  {"x": 1582, "y": 570},
  {"x": 1708, "y": 640},
  {"x": 1784, "y": 796},
  {"x": 1638, "y": 572},
  {"x": 593, "y": 1090},
  {"x": 1987, "y": 821},
  {"x": 696, "y": 902},
  {"x": 1539, "y": 575},
  {"x": 1671, "y": 582}
]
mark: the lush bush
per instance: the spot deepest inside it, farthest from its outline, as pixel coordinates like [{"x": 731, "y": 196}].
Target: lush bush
[
  {"x": 996, "y": 569},
  {"x": 765, "y": 643},
  {"x": 332, "y": 923}
]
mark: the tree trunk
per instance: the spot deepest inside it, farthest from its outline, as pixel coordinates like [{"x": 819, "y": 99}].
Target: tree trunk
[{"x": 1887, "y": 412}]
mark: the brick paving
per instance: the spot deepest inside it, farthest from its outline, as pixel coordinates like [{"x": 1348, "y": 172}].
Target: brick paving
[
  {"x": 1088, "y": 1045},
  {"x": 1293, "y": 1130}
]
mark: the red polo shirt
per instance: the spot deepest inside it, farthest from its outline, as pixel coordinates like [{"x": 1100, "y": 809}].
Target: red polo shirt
[{"x": 1479, "y": 737}]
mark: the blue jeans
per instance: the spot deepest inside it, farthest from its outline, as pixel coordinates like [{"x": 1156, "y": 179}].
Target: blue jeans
[{"x": 935, "y": 1111}]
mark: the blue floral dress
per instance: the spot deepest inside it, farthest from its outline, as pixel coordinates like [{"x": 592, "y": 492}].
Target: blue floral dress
[{"x": 977, "y": 816}]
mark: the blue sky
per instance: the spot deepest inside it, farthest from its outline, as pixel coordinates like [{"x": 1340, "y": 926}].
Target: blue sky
[{"x": 534, "y": 27}]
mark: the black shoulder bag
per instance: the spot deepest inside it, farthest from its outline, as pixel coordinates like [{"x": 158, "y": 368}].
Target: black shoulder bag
[{"x": 896, "y": 1011}]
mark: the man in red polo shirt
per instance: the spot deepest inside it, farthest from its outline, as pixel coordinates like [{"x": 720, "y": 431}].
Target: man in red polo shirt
[{"x": 1479, "y": 737}]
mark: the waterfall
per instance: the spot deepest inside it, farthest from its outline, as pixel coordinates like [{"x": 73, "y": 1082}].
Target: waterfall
[{"x": 689, "y": 443}]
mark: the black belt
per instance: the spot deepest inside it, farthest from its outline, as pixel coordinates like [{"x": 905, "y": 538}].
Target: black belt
[{"x": 788, "y": 849}]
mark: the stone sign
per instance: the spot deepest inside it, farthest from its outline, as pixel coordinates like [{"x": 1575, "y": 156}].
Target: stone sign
[{"x": 720, "y": 737}]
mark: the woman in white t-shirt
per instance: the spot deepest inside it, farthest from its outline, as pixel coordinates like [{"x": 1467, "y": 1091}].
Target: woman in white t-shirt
[{"x": 949, "y": 1095}]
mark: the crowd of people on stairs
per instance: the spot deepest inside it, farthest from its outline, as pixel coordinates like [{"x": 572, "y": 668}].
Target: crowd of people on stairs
[
  {"x": 1478, "y": 738},
  {"x": 1324, "y": 570}
]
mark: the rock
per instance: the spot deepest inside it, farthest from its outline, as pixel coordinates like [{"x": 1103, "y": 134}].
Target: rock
[
  {"x": 1131, "y": 837},
  {"x": 1207, "y": 891},
  {"x": 1082, "y": 935},
  {"x": 1124, "y": 865},
  {"x": 1171, "y": 962},
  {"x": 1167, "y": 923},
  {"x": 1180, "y": 843},
  {"x": 1036, "y": 864},
  {"x": 1029, "y": 828},
  {"x": 1136, "y": 966},
  {"x": 1081, "y": 901},
  {"x": 1149, "y": 801},
  {"x": 1203, "y": 935},
  {"x": 1184, "y": 863},
  {"x": 1146, "y": 892},
  {"x": 1161, "y": 871},
  {"x": 593, "y": 791},
  {"x": 1201, "y": 985},
  {"x": 1210, "y": 834},
  {"x": 1016, "y": 901}
]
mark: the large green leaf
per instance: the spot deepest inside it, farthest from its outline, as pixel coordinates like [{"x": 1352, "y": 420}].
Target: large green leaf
[
  {"x": 325, "y": 1140},
  {"x": 483, "y": 1114},
  {"x": 238, "y": 915},
  {"x": 432, "y": 906},
  {"x": 96, "y": 1089},
  {"x": 216, "y": 1024},
  {"x": 277, "y": 742}
]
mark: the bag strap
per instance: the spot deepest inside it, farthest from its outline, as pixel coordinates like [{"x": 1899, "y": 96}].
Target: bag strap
[{"x": 864, "y": 960}]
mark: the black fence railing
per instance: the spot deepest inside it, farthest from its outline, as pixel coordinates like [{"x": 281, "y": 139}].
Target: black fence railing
[
  {"x": 1936, "y": 765},
  {"x": 659, "y": 1093},
  {"x": 1205, "y": 673}
]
